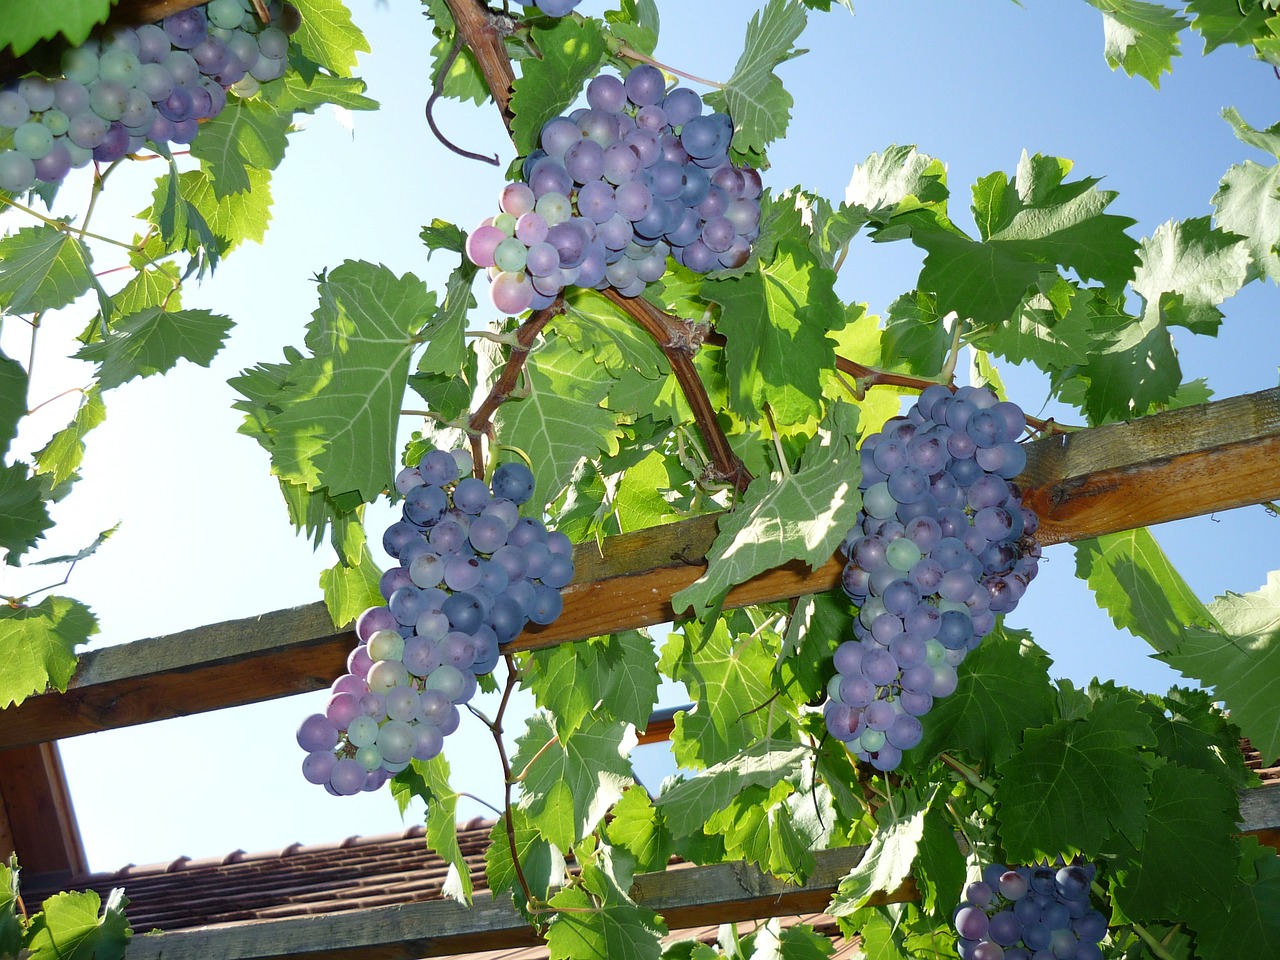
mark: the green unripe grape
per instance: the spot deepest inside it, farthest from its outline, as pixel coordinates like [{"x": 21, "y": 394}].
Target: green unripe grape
[
  {"x": 56, "y": 122},
  {"x": 227, "y": 14},
  {"x": 119, "y": 65},
  {"x": 80, "y": 156},
  {"x": 246, "y": 87},
  {"x": 362, "y": 731},
  {"x": 506, "y": 223},
  {"x": 902, "y": 554},
  {"x": 80, "y": 64},
  {"x": 871, "y": 740},
  {"x": 385, "y": 644},
  {"x": 385, "y": 674},
  {"x": 934, "y": 652},
  {"x": 873, "y": 607},
  {"x": 879, "y": 502},
  {"x": 833, "y": 687},
  {"x": 17, "y": 172},
  {"x": 369, "y": 757},
  {"x": 510, "y": 254},
  {"x": 33, "y": 139}
]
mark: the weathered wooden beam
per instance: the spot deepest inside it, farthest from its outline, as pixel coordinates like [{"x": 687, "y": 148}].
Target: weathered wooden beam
[
  {"x": 37, "y": 820},
  {"x": 1172, "y": 465}
]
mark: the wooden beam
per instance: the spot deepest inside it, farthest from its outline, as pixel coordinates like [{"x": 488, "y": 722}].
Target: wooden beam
[
  {"x": 37, "y": 820},
  {"x": 1193, "y": 461}
]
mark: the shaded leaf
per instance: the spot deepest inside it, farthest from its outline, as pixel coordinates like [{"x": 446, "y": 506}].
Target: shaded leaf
[
  {"x": 42, "y": 268},
  {"x": 153, "y": 341}
]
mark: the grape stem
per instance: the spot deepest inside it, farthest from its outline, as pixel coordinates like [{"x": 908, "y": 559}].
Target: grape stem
[
  {"x": 777, "y": 442},
  {"x": 519, "y": 778},
  {"x": 437, "y": 91},
  {"x": 496, "y": 729},
  {"x": 971, "y": 775},
  {"x": 506, "y": 339},
  {"x": 67, "y": 228},
  {"x": 632, "y": 54},
  {"x": 56, "y": 396}
]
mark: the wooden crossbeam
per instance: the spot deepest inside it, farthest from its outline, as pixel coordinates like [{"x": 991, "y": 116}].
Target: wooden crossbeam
[{"x": 1187, "y": 462}]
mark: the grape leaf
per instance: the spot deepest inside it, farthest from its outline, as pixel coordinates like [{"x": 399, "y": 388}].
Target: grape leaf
[
  {"x": 234, "y": 217},
  {"x": 685, "y": 804},
  {"x": 337, "y": 415},
  {"x": 295, "y": 93},
  {"x": 443, "y": 235},
  {"x": 350, "y": 587},
  {"x": 1136, "y": 584},
  {"x": 446, "y": 351},
  {"x": 914, "y": 340},
  {"x": 1247, "y": 201},
  {"x": 637, "y": 827},
  {"x": 247, "y": 135},
  {"x": 757, "y": 829},
  {"x": 429, "y": 780},
  {"x": 11, "y": 925},
  {"x": 895, "y": 182},
  {"x": 1242, "y": 662},
  {"x": 776, "y": 320},
  {"x": 81, "y": 554},
  {"x": 1027, "y": 227},
  {"x": 754, "y": 95},
  {"x": 893, "y": 849},
  {"x": 152, "y": 341},
  {"x": 42, "y": 268},
  {"x": 1074, "y": 782},
  {"x": 13, "y": 400},
  {"x": 328, "y": 36},
  {"x": 572, "y": 52},
  {"x": 802, "y": 516},
  {"x": 160, "y": 286},
  {"x": 1227, "y": 21},
  {"x": 465, "y": 80},
  {"x": 729, "y": 681},
  {"x": 69, "y": 927},
  {"x": 1004, "y": 690},
  {"x": 24, "y": 24},
  {"x": 1187, "y": 268},
  {"x": 636, "y": 23},
  {"x": 1194, "y": 733},
  {"x": 939, "y": 867},
  {"x": 561, "y": 420},
  {"x": 614, "y": 677},
  {"x": 1132, "y": 367},
  {"x": 568, "y": 785},
  {"x": 1186, "y": 854},
  {"x": 1037, "y": 333},
  {"x": 588, "y": 930},
  {"x": 24, "y": 518},
  {"x": 1250, "y": 926},
  {"x": 543, "y": 865},
  {"x": 37, "y": 646},
  {"x": 1142, "y": 38}
]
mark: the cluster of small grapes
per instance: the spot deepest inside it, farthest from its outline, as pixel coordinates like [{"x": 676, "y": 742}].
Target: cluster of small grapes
[
  {"x": 942, "y": 545},
  {"x": 638, "y": 175},
  {"x": 552, "y": 8},
  {"x": 472, "y": 572},
  {"x": 154, "y": 82},
  {"x": 1030, "y": 913}
]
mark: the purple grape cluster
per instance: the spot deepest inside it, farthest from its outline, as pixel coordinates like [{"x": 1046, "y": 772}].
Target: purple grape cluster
[
  {"x": 1030, "y": 913},
  {"x": 637, "y": 175},
  {"x": 472, "y": 572},
  {"x": 552, "y": 8},
  {"x": 133, "y": 84},
  {"x": 941, "y": 546}
]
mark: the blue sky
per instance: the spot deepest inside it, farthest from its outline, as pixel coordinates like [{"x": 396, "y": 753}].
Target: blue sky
[{"x": 205, "y": 536}]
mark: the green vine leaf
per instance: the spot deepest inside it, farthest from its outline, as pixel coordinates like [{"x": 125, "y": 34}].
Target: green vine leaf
[
  {"x": 331, "y": 421},
  {"x": 887, "y": 863},
  {"x": 11, "y": 924},
  {"x": 13, "y": 400},
  {"x": 24, "y": 24},
  {"x": 542, "y": 864},
  {"x": 24, "y": 516},
  {"x": 1250, "y": 926},
  {"x": 1141, "y": 38},
  {"x": 429, "y": 781},
  {"x": 1242, "y": 662},
  {"x": 569, "y": 784},
  {"x": 572, "y": 52},
  {"x": 247, "y": 135},
  {"x": 37, "y": 646},
  {"x": 802, "y": 516},
  {"x": 613, "y": 677},
  {"x": 327, "y": 35},
  {"x": 465, "y": 80},
  {"x": 152, "y": 341},
  {"x": 70, "y": 925},
  {"x": 754, "y": 96},
  {"x": 1187, "y": 269},
  {"x": 1221, "y": 22},
  {"x": 1248, "y": 198},
  {"x": 351, "y": 585},
  {"x": 635, "y": 23},
  {"x": 1075, "y": 782},
  {"x": 589, "y": 930},
  {"x": 42, "y": 268}
]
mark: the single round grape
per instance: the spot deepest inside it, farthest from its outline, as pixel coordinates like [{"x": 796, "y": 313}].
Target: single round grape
[
  {"x": 362, "y": 731},
  {"x": 54, "y": 165},
  {"x": 386, "y": 674},
  {"x": 511, "y": 293},
  {"x": 17, "y": 172},
  {"x": 317, "y": 767},
  {"x": 513, "y": 481},
  {"x": 428, "y": 741},
  {"x": 347, "y": 777},
  {"x": 317, "y": 732},
  {"x": 645, "y": 85},
  {"x": 447, "y": 680}
]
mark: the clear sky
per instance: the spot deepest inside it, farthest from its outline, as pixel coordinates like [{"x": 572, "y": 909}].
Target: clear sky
[{"x": 205, "y": 536}]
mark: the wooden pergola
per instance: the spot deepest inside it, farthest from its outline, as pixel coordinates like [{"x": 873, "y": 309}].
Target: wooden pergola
[{"x": 1168, "y": 466}]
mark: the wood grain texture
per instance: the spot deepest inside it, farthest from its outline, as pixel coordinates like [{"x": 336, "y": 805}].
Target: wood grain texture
[
  {"x": 36, "y": 812},
  {"x": 1193, "y": 461}
]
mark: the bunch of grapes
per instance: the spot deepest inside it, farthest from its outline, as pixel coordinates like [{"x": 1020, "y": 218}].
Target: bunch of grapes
[
  {"x": 552, "y": 8},
  {"x": 1030, "y": 913},
  {"x": 638, "y": 175},
  {"x": 472, "y": 572},
  {"x": 154, "y": 82},
  {"x": 942, "y": 545}
]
